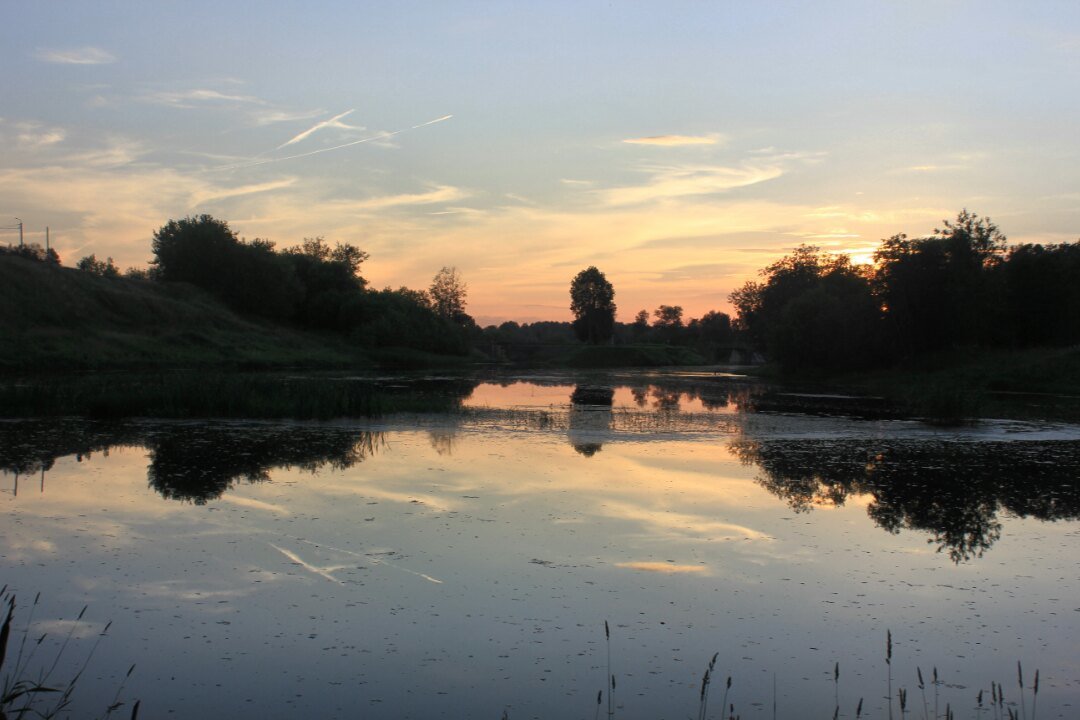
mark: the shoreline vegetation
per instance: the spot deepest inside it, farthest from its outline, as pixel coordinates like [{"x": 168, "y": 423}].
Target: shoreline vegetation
[{"x": 944, "y": 326}]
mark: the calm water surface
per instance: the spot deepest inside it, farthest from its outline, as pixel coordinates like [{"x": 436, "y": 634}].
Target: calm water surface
[{"x": 463, "y": 565}]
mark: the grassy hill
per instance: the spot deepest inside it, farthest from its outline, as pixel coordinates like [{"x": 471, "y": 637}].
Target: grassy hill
[{"x": 61, "y": 318}]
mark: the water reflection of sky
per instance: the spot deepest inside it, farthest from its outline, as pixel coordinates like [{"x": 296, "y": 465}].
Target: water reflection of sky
[
  {"x": 458, "y": 570},
  {"x": 642, "y": 395}
]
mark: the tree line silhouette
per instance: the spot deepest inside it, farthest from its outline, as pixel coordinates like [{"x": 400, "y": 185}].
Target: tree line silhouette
[
  {"x": 961, "y": 286},
  {"x": 311, "y": 285}
]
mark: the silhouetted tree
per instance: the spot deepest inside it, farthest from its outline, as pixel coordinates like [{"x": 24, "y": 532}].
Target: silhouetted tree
[
  {"x": 327, "y": 276},
  {"x": 401, "y": 318},
  {"x": 592, "y": 300},
  {"x": 668, "y": 322},
  {"x": 447, "y": 293},
  {"x": 1042, "y": 293},
  {"x": 812, "y": 311},
  {"x": 32, "y": 251},
  {"x": 101, "y": 268},
  {"x": 713, "y": 327},
  {"x": 711, "y": 334},
  {"x": 939, "y": 291},
  {"x": 249, "y": 276}
]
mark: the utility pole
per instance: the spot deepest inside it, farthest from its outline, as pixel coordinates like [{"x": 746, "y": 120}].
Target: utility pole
[
  {"x": 20, "y": 232},
  {"x": 46, "y": 238}
]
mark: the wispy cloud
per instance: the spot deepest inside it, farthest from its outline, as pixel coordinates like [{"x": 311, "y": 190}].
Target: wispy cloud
[
  {"x": 930, "y": 168},
  {"x": 334, "y": 122},
  {"x": 190, "y": 98},
  {"x": 701, "y": 270},
  {"x": 207, "y": 194},
  {"x": 32, "y": 135},
  {"x": 684, "y": 180},
  {"x": 675, "y": 140},
  {"x": 441, "y": 194},
  {"x": 270, "y": 117},
  {"x": 75, "y": 56},
  {"x": 662, "y": 567},
  {"x": 723, "y": 240}
]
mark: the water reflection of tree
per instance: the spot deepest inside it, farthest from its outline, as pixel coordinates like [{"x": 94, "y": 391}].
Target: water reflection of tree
[
  {"x": 200, "y": 463},
  {"x": 590, "y": 413},
  {"x": 30, "y": 446},
  {"x": 954, "y": 491},
  {"x": 443, "y": 440},
  {"x": 191, "y": 462}
]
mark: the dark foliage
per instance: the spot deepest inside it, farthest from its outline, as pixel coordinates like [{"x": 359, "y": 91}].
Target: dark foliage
[
  {"x": 1042, "y": 293},
  {"x": 954, "y": 289},
  {"x": 249, "y": 276},
  {"x": 401, "y": 318},
  {"x": 32, "y": 251},
  {"x": 592, "y": 300},
  {"x": 312, "y": 285},
  {"x": 328, "y": 277},
  {"x": 938, "y": 291},
  {"x": 812, "y": 311},
  {"x": 101, "y": 268}
]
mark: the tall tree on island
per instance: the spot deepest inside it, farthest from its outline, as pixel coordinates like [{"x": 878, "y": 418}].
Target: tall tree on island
[{"x": 592, "y": 300}]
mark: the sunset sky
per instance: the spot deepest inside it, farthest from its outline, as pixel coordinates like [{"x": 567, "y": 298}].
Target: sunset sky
[{"x": 677, "y": 146}]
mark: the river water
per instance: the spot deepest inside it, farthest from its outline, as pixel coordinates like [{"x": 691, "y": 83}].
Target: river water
[{"x": 465, "y": 564}]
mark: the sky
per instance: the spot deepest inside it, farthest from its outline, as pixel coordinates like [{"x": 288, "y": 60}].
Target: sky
[{"x": 677, "y": 146}]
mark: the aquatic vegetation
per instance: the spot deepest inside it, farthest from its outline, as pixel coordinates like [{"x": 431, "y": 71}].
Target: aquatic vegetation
[{"x": 188, "y": 394}]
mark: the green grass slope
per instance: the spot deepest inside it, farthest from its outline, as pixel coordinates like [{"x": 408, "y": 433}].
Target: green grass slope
[{"x": 55, "y": 317}]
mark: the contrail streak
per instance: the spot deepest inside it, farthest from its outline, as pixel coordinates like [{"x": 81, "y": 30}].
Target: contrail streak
[
  {"x": 378, "y": 136},
  {"x": 371, "y": 558},
  {"x": 324, "y": 572},
  {"x": 332, "y": 122}
]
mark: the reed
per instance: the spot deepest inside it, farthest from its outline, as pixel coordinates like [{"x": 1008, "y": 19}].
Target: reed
[
  {"x": 936, "y": 684},
  {"x": 922, "y": 690},
  {"x": 888, "y": 664},
  {"x": 836, "y": 689},
  {"x": 23, "y": 696},
  {"x": 727, "y": 687},
  {"x": 610, "y": 677},
  {"x": 1035, "y": 695},
  {"x": 183, "y": 394},
  {"x": 703, "y": 702},
  {"x": 1020, "y": 682}
]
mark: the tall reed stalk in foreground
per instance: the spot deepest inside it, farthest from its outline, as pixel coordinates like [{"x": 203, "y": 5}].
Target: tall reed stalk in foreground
[
  {"x": 19, "y": 696},
  {"x": 836, "y": 689},
  {"x": 726, "y": 688},
  {"x": 610, "y": 677},
  {"x": 1020, "y": 682},
  {"x": 937, "y": 684},
  {"x": 703, "y": 702},
  {"x": 922, "y": 689},
  {"x": 1035, "y": 694},
  {"x": 888, "y": 663}
]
